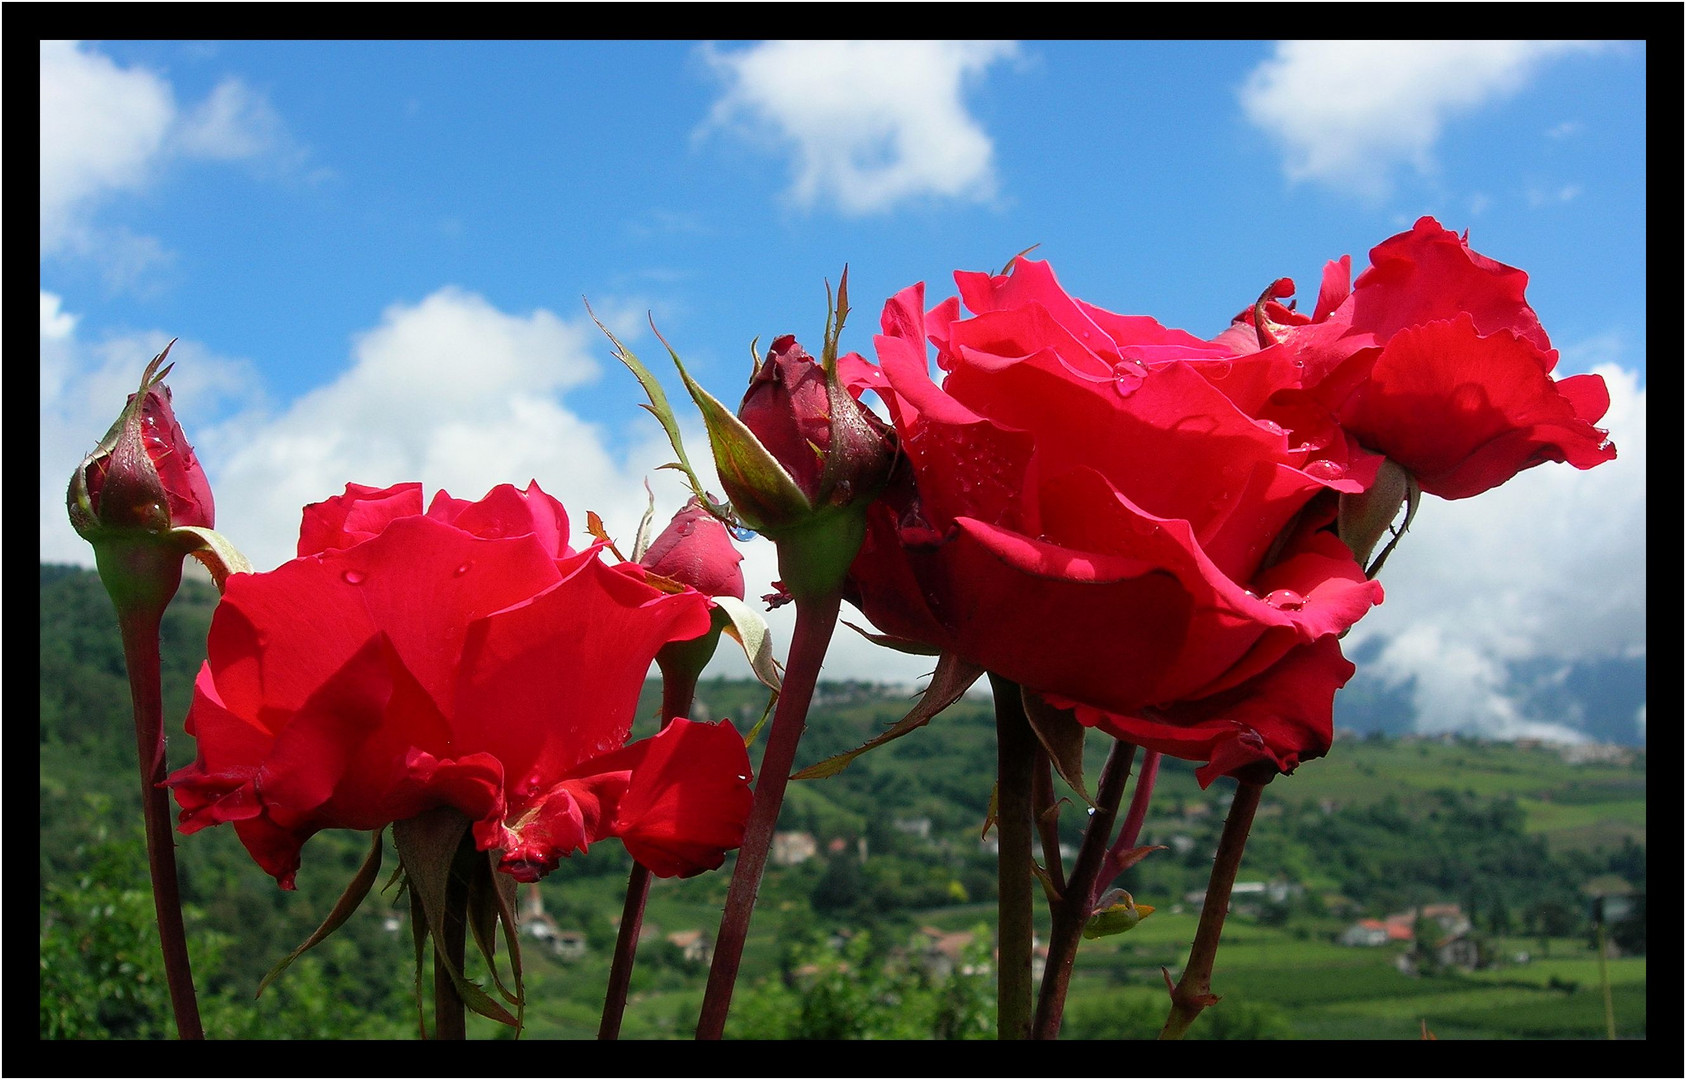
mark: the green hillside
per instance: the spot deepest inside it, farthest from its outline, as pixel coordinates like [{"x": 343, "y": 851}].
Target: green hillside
[{"x": 1515, "y": 836}]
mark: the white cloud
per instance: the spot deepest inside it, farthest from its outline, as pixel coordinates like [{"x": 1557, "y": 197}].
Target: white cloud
[
  {"x": 108, "y": 130},
  {"x": 235, "y": 122},
  {"x": 1550, "y": 566},
  {"x": 868, "y": 124},
  {"x": 1348, "y": 113}
]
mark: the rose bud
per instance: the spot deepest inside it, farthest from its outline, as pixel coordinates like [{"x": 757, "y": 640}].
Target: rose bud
[
  {"x": 143, "y": 474},
  {"x": 696, "y": 550}
]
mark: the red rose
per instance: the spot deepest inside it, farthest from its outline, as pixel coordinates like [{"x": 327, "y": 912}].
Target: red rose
[
  {"x": 1088, "y": 514},
  {"x": 1434, "y": 359},
  {"x": 467, "y": 657},
  {"x": 696, "y": 550},
  {"x": 143, "y": 474}
]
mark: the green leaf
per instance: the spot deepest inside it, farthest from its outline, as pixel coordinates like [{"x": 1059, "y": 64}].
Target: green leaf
[
  {"x": 952, "y": 678},
  {"x": 349, "y": 901}
]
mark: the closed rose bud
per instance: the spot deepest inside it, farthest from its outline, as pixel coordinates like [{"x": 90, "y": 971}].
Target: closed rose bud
[
  {"x": 787, "y": 408},
  {"x": 143, "y": 474},
  {"x": 696, "y": 550}
]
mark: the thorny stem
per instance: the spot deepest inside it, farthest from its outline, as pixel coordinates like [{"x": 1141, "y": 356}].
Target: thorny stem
[
  {"x": 1071, "y": 914},
  {"x": 679, "y": 687},
  {"x": 140, "y": 625},
  {"x": 815, "y": 620},
  {"x": 1193, "y": 991},
  {"x": 1016, "y": 747}
]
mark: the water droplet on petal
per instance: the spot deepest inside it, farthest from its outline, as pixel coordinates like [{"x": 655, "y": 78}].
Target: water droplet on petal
[
  {"x": 1272, "y": 427},
  {"x": 353, "y": 577},
  {"x": 1324, "y": 469},
  {"x": 1285, "y": 599},
  {"x": 464, "y": 568},
  {"x": 740, "y": 533}
]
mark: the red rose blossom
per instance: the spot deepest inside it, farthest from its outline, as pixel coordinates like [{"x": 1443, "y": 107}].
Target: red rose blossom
[
  {"x": 462, "y": 657},
  {"x": 1088, "y": 514},
  {"x": 1434, "y": 359}
]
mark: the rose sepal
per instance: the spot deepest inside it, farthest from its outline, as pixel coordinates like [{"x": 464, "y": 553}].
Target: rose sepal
[
  {"x": 1365, "y": 516},
  {"x": 449, "y": 880}
]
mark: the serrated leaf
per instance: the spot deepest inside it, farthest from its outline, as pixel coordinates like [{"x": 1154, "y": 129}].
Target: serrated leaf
[
  {"x": 750, "y": 630},
  {"x": 952, "y": 678},
  {"x": 658, "y": 406},
  {"x": 355, "y": 892},
  {"x": 1062, "y": 736}
]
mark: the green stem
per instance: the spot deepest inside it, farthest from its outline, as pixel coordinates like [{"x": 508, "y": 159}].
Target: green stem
[
  {"x": 139, "y": 624},
  {"x": 1015, "y": 757},
  {"x": 1077, "y": 901},
  {"x": 679, "y": 688},
  {"x": 816, "y": 618},
  {"x": 1193, "y": 991}
]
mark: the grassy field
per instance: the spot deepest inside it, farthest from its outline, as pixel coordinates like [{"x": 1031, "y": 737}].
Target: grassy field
[{"x": 1319, "y": 990}]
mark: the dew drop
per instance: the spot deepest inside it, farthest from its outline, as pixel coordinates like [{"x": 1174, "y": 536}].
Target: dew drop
[
  {"x": 1272, "y": 427},
  {"x": 1285, "y": 599},
  {"x": 740, "y": 533},
  {"x": 464, "y": 568},
  {"x": 1324, "y": 469},
  {"x": 353, "y": 577},
  {"x": 1126, "y": 383}
]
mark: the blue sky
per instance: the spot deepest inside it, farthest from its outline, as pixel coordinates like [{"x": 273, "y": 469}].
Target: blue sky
[{"x": 374, "y": 255}]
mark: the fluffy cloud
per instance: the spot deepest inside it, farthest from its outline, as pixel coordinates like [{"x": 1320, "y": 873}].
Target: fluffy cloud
[
  {"x": 1548, "y": 567},
  {"x": 869, "y": 124},
  {"x": 108, "y": 130},
  {"x": 1349, "y": 112}
]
